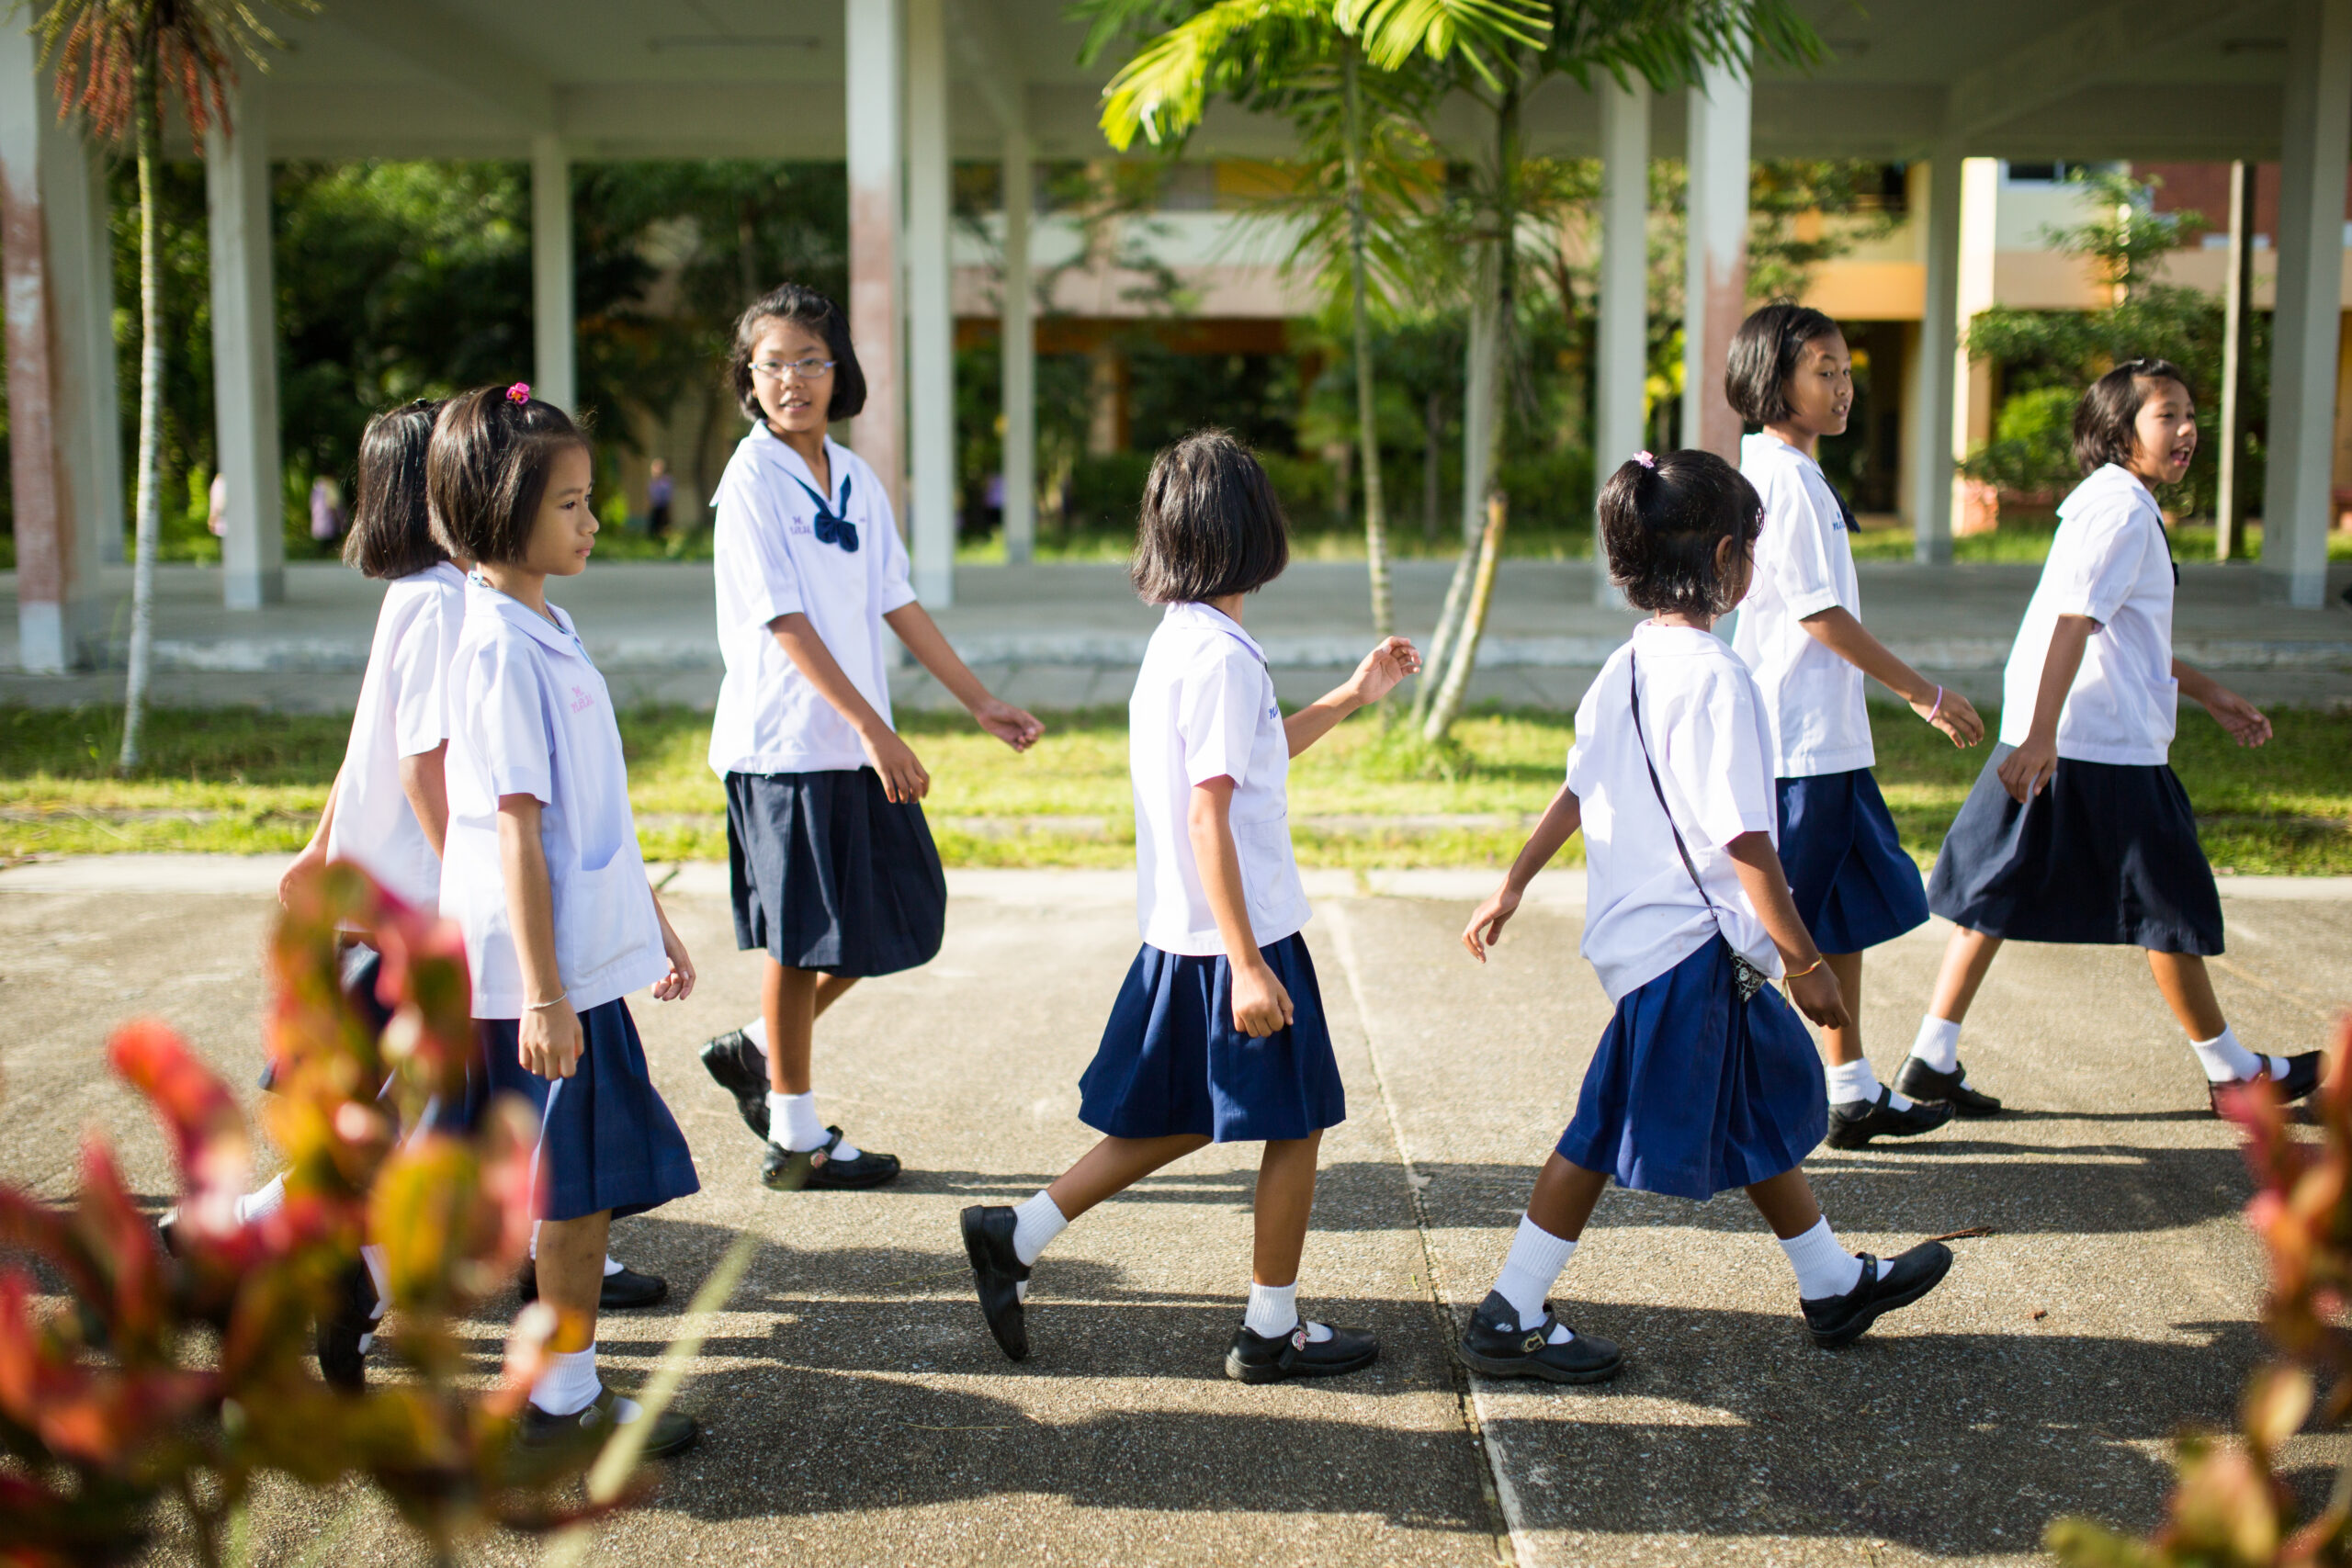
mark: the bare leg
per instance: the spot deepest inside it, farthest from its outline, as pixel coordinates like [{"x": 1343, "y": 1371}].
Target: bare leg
[
  {"x": 1564, "y": 1198},
  {"x": 1787, "y": 1203},
  {"x": 1967, "y": 957},
  {"x": 2188, "y": 991},
  {"x": 1844, "y": 1045},
  {"x": 790, "y": 1000},
  {"x": 571, "y": 1276},
  {"x": 1115, "y": 1165},
  {"x": 1286, "y": 1197}
]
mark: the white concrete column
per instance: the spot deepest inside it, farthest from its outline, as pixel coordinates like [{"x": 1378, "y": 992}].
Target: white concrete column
[
  {"x": 1928, "y": 494},
  {"x": 2308, "y": 328},
  {"x": 1715, "y": 259},
  {"x": 931, "y": 319},
  {"x": 1020, "y": 349},
  {"x": 82, "y": 241},
  {"x": 1973, "y": 507},
  {"x": 555, "y": 377},
  {"x": 244, "y": 357},
  {"x": 875, "y": 96},
  {"x": 1620, "y": 402}
]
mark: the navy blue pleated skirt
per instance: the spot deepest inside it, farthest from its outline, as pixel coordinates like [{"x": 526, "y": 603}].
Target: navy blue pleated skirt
[
  {"x": 358, "y": 968},
  {"x": 1692, "y": 1093},
  {"x": 1172, "y": 1062},
  {"x": 2106, "y": 853},
  {"x": 829, "y": 873},
  {"x": 607, "y": 1141},
  {"x": 1853, "y": 885}
]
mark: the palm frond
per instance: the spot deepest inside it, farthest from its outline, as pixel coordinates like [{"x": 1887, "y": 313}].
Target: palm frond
[
  {"x": 99, "y": 47},
  {"x": 1394, "y": 32},
  {"x": 1241, "y": 48}
]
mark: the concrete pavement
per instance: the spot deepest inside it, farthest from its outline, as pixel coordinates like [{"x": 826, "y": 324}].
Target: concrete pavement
[
  {"x": 1069, "y": 635},
  {"x": 859, "y": 1414}
]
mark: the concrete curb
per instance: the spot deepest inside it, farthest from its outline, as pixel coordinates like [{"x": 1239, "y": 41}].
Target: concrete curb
[{"x": 245, "y": 875}]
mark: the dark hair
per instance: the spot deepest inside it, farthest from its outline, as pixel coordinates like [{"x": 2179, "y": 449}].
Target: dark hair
[
  {"x": 1211, "y": 526},
  {"x": 1764, "y": 355},
  {"x": 2103, "y": 420},
  {"x": 1661, "y": 526},
  {"x": 796, "y": 303},
  {"x": 488, "y": 467},
  {"x": 391, "y": 525}
]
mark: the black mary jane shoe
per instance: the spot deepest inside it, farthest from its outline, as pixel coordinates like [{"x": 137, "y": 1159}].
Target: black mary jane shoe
[
  {"x": 1498, "y": 1347},
  {"x": 1256, "y": 1358},
  {"x": 580, "y": 1435},
  {"x": 784, "y": 1170},
  {"x": 1916, "y": 1080},
  {"x": 620, "y": 1291},
  {"x": 1884, "y": 1287},
  {"x": 741, "y": 1069},
  {"x": 340, "y": 1337},
  {"x": 1854, "y": 1125},
  {"x": 2301, "y": 1076},
  {"x": 998, "y": 1274}
]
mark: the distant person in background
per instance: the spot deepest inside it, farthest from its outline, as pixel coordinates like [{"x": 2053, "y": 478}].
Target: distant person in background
[
  {"x": 658, "y": 490},
  {"x": 326, "y": 509},
  {"x": 216, "y": 513}
]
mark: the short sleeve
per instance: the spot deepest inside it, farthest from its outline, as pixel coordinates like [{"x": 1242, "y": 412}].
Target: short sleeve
[
  {"x": 749, "y": 555},
  {"x": 1583, "y": 765},
  {"x": 2104, "y": 567},
  {"x": 1715, "y": 760},
  {"x": 890, "y": 552},
  {"x": 1217, "y": 707},
  {"x": 420, "y": 676},
  {"x": 1801, "y": 546},
  {"x": 517, "y": 747}
]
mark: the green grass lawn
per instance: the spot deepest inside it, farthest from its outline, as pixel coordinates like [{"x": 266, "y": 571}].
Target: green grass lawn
[{"x": 238, "y": 781}]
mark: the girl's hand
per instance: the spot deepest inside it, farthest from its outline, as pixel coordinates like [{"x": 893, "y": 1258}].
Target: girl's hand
[
  {"x": 314, "y": 855},
  {"x": 1956, "y": 717},
  {"x": 2024, "y": 770},
  {"x": 1817, "y": 998},
  {"x": 548, "y": 1041},
  {"x": 2245, "y": 722},
  {"x": 1486, "y": 927},
  {"x": 903, "y": 779},
  {"x": 1261, "y": 1006},
  {"x": 1010, "y": 725},
  {"x": 1383, "y": 668},
  {"x": 679, "y": 983}
]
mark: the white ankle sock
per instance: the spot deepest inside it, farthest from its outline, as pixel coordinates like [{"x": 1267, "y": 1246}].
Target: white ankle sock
[
  {"x": 570, "y": 1384},
  {"x": 792, "y": 1121},
  {"x": 1273, "y": 1310},
  {"x": 756, "y": 1031},
  {"x": 2224, "y": 1059},
  {"x": 379, "y": 1276},
  {"x": 612, "y": 1265},
  {"x": 1036, "y": 1223},
  {"x": 1937, "y": 1044},
  {"x": 263, "y": 1200},
  {"x": 1824, "y": 1267},
  {"x": 1530, "y": 1270},
  {"x": 1851, "y": 1081}
]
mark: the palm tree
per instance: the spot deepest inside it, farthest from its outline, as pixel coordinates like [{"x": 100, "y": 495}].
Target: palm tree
[
  {"x": 115, "y": 60},
  {"x": 1469, "y": 43}
]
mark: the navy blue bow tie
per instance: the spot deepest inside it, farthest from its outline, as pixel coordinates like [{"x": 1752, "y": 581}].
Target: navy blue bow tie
[{"x": 832, "y": 529}]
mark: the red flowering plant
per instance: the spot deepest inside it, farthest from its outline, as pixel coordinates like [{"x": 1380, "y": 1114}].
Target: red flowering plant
[
  {"x": 2231, "y": 1508},
  {"x": 183, "y": 1374}
]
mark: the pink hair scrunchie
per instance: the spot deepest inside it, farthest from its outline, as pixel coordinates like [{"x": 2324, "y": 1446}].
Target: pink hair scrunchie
[{"x": 520, "y": 393}]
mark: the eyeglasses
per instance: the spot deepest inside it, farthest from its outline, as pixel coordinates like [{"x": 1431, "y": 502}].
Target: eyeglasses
[{"x": 777, "y": 369}]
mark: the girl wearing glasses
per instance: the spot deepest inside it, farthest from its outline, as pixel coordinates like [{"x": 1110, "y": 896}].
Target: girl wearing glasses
[{"x": 832, "y": 866}]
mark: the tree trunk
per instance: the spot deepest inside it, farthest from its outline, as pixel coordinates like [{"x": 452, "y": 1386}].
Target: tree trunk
[
  {"x": 1375, "y": 520},
  {"x": 149, "y": 133},
  {"x": 1433, "y": 461},
  {"x": 1448, "y": 705}
]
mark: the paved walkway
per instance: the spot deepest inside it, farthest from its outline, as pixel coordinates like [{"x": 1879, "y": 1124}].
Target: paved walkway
[
  {"x": 859, "y": 1414},
  {"x": 1070, "y": 636}
]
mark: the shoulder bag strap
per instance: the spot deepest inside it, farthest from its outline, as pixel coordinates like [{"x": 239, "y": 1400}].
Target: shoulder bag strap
[{"x": 1746, "y": 979}]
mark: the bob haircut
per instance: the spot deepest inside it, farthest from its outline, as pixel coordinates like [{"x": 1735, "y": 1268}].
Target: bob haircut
[
  {"x": 391, "y": 523},
  {"x": 1211, "y": 526},
  {"x": 1662, "y": 526},
  {"x": 805, "y": 307},
  {"x": 1764, "y": 355},
  {"x": 2104, "y": 419},
  {"x": 488, "y": 467}
]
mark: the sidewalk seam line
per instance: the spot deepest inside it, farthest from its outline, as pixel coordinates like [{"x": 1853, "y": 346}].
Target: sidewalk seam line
[{"x": 1512, "y": 1546}]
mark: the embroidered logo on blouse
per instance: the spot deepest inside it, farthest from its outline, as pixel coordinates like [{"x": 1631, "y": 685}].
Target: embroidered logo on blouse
[{"x": 580, "y": 701}]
